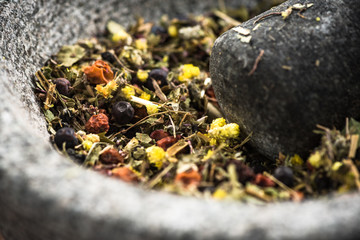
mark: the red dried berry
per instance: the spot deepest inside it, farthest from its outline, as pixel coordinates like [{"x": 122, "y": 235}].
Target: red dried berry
[
  {"x": 111, "y": 156},
  {"x": 244, "y": 172},
  {"x": 263, "y": 181},
  {"x": 97, "y": 124},
  {"x": 167, "y": 142},
  {"x": 158, "y": 134}
]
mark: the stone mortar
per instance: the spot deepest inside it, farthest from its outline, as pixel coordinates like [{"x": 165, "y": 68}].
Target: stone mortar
[{"x": 45, "y": 196}]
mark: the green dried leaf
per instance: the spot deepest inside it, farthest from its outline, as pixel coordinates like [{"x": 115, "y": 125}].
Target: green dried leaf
[
  {"x": 105, "y": 139},
  {"x": 144, "y": 138},
  {"x": 49, "y": 116},
  {"x": 93, "y": 156},
  {"x": 69, "y": 55}
]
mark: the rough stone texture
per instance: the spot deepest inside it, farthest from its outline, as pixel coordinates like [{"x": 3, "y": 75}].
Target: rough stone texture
[
  {"x": 44, "y": 196},
  {"x": 282, "y": 107}
]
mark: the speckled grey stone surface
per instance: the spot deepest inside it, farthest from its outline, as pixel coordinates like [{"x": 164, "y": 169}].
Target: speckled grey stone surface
[
  {"x": 44, "y": 196},
  {"x": 309, "y": 75}
]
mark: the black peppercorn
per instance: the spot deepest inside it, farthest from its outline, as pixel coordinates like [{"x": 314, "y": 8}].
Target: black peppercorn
[
  {"x": 108, "y": 56},
  {"x": 62, "y": 85},
  {"x": 66, "y": 135},
  {"x": 122, "y": 112},
  {"x": 284, "y": 175},
  {"x": 158, "y": 30},
  {"x": 159, "y": 75}
]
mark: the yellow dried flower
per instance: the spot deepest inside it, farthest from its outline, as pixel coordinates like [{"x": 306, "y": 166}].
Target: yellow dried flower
[
  {"x": 315, "y": 159},
  {"x": 219, "y": 194},
  {"x": 141, "y": 44},
  {"x": 188, "y": 72},
  {"x": 127, "y": 92},
  {"x": 231, "y": 130},
  {"x": 173, "y": 31},
  {"x": 228, "y": 131},
  {"x": 92, "y": 138},
  {"x": 213, "y": 141},
  {"x": 145, "y": 96},
  {"x": 142, "y": 75},
  {"x": 296, "y": 160},
  {"x": 152, "y": 109},
  {"x": 336, "y": 166},
  {"x": 165, "y": 58},
  {"x": 106, "y": 90},
  {"x": 208, "y": 155},
  {"x": 218, "y": 122},
  {"x": 87, "y": 145},
  {"x": 118, "y": 32},
  {"x": 155, "y": 155}
]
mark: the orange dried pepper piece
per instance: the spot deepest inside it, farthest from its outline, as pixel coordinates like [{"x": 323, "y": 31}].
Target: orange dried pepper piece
[
  {"x": 99, "y": 73},
  {"x": 189, "y": 178},
  {"x": 263, "y": 181},
  {"x": 125, "y": 174}
]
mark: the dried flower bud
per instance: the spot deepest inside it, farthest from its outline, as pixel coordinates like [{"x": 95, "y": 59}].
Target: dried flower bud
[
  {"x": 62, "y": 85},
  {"x": 125, "y": 174},
  {"x": 167, "y": 142},
  {"x": 189, "y": 178},
  {"x": 158, "y": 134},
  {"x": 111, "y": 156},
  {"x": 263, "y": 181},
  {"x": 97, "y": 124},
  {"x": 65, "y": 135},
  {"x": 122, "y": 112},
  {"x": 156, "y": 156},
  {"x": 100, "y": 72}
]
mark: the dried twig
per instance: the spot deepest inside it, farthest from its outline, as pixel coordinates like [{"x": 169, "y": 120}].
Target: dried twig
[
  {"x": 265, "y": 16},
  {"x": 256, "y": 62}
]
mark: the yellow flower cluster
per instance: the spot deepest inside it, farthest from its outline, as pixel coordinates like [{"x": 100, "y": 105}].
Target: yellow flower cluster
[
  {"x": 142, "y": 75},
  {"x": 315, "y": 159},
  {"x": 118, "y": 32},
  {"x": 220, "y": 131},
  {"x": 155, "y": 155},
  {"x": 141, "y": 44},
  {"x": 106, "y": 90},
  {"x": 90, "y": 139},
  {"x": 127, "y": 92},
  {"x": 172, "y": 30},
  {"x": 145, "y": 96},
  {"x": 219, "y": 194},
  {"x": 218, "y": 122},
  {"x": 152, "y": 109},
  {"x": 208, "y": 155},
  {"x": 296, "y": 160},
  {"x": 188, "y": 72}
]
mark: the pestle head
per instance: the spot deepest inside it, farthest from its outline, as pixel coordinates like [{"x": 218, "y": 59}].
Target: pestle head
[{"x": 307, "y": 73}]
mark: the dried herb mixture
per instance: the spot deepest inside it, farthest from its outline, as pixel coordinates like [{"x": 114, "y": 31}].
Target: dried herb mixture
[{"x": 137, "y": 104}]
